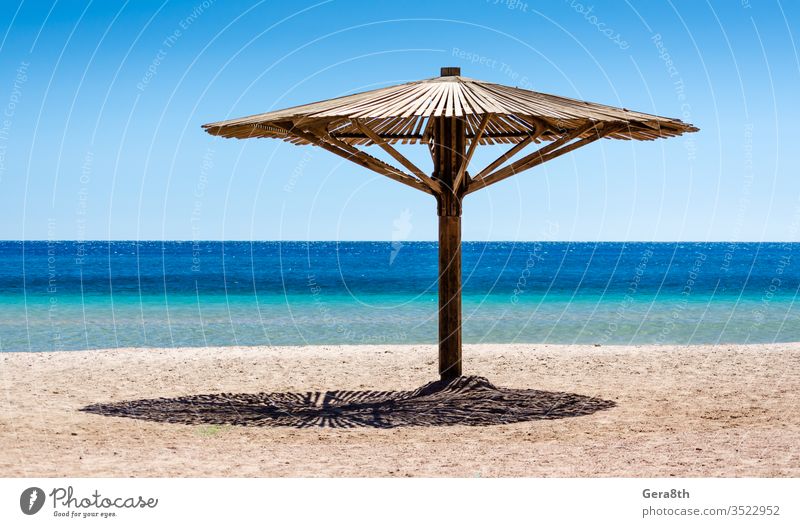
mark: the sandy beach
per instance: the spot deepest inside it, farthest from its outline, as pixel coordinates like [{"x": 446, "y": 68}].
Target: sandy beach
[{"x": 725, "y": 410}]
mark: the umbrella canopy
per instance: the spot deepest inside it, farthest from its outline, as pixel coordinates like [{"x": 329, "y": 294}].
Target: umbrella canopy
[
  {"x": 402, "y": 113},
  {"x": 452, "y": 115}
]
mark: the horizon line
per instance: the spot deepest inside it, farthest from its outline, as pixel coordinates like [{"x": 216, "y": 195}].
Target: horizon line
[{"x": 153, "y": 240}]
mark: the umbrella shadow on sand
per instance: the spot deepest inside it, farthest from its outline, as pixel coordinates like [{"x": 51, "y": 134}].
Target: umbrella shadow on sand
[{"x": 471, "y": 401}]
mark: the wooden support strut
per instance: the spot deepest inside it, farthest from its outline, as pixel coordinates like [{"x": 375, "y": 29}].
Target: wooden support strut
[
  {"x": 533, "y": 136},
  {"x": 355, "y": 155},
  {"x": 462, "y": 169},
  {"x": 400, "y": 158},
  {"x": 546, "y": 153}
]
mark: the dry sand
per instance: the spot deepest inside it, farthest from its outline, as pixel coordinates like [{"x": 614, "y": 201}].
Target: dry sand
[{"x": 682, "y": 411}]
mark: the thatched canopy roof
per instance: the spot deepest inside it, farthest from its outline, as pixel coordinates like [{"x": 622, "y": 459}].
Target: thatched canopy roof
[{"x": 403, "y": 113}]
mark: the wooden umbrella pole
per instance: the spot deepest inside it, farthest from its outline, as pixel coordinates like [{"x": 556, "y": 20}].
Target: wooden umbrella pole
[
  {"x": 449, "y": 297},
  {"x": 448, "y": 155}
]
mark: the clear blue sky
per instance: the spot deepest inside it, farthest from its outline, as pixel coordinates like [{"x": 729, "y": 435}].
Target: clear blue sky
[{"x": 102, "y": 104}]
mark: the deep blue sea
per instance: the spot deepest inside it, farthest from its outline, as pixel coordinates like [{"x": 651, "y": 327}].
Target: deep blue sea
[{"x": 86, "y": 295}]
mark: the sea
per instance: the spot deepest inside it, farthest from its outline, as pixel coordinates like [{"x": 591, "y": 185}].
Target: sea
[{"x": 80, "y": 295}]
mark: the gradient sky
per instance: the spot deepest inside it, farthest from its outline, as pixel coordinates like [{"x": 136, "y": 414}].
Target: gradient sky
[{"x": 103, "y": 101}]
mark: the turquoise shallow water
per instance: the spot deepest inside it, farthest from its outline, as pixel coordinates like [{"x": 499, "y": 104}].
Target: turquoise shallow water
[{"x": 71, "y": 295}]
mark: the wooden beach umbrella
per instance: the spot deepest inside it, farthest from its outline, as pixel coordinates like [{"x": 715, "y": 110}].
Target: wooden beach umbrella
[{"x": 452, "y": 115}]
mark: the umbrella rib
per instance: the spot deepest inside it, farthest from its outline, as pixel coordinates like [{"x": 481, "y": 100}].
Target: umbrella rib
[
  {"x": 400, "y": 158},
  {"x": 385, "y": 168},
  {"x": 510, "y": 152},
  {"x": 472, "y": 147},
  {"x": 551, "y": 151},
  {"x": 537, "y": 154},
  {"x": 351, "y": 153}
]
